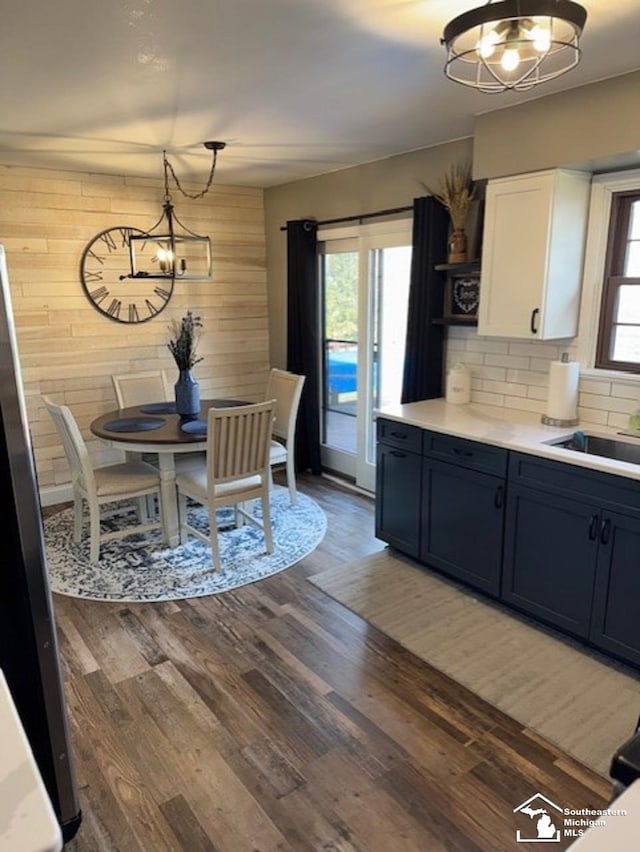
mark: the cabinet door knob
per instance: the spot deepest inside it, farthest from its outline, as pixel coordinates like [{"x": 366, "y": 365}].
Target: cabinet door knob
[
  {"x": 498, "y": 500},
  {"x": 397, "y": 454},
  {"x": 534, "y": 314},
  {"x": 400, "y": 435},
  {"x": 605, "y": 531},
  {"x": 593, "y": 528}
]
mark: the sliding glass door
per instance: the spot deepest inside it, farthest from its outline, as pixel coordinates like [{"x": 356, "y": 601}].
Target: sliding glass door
[{"x": 365, "y": 287}]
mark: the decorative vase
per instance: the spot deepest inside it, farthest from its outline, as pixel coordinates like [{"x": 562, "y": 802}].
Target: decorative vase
[
  {"x": 187, "y": 396},
  {"x": 457, "y": 246}
]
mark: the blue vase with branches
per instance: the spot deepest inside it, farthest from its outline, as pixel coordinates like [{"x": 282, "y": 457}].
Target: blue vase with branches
[{"x": 183, "y": 347}]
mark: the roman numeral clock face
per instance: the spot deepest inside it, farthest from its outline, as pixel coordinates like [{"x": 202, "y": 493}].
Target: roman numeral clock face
[{"x": 104, "y": 272}]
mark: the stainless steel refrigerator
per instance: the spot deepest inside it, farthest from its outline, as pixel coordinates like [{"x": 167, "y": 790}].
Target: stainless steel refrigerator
[{"x": 28, "y": 645}]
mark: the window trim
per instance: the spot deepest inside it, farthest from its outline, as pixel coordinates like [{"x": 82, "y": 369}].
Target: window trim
[
  {"x": 602, "y": 190},
  {"x": 613, "y": 279}
]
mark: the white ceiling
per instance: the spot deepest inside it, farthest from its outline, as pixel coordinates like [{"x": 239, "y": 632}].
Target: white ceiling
[{"x": 294, "y": 87}]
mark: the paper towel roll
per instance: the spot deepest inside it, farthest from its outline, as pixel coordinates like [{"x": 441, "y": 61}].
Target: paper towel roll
[{"x": 562, "y": 403}]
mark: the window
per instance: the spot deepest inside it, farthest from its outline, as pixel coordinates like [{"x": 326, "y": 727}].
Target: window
[{"x": 618, "y": 345}]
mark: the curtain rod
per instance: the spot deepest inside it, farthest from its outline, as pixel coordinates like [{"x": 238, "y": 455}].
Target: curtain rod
[{"x": 362, "y": 216}]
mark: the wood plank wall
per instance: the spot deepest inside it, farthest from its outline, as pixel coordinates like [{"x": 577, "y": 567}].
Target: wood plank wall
[{"x": 69, "y": 351}]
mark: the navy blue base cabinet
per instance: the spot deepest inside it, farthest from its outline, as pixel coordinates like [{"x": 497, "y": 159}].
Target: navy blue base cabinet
[
  {"x": 572, "y": 551},
  {"x": 615, "y": 625},
  {"x": 558, "y": 542},
  {"x": 398, "y": 486},
  {"x": 462, "y": 521},
  {"x": 441, "y": 500},
  {"x": 550, "y": 558}
]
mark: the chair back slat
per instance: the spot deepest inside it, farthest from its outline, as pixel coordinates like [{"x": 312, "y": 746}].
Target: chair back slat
[
  {"x": 286, "y": 389},
  {"x": 73, "y": 444},
  {"x": 140, "y": 388},
  {"x": 238, "y": 441}
]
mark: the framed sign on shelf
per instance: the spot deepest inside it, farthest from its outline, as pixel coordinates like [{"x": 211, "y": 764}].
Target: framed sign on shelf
[{"x": 461, "y": 297}]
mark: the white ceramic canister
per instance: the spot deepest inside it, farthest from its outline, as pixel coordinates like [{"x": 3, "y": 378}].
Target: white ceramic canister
[{"x": 458, "y": 389}]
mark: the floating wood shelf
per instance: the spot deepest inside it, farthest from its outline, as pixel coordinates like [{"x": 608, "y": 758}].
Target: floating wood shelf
[
  {"x": 470, "y": 266},
  {"x": 455, "y": 321}
]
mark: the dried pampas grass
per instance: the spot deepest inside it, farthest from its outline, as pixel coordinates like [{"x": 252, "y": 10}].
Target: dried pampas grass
[{"x": 455, "y": 193}]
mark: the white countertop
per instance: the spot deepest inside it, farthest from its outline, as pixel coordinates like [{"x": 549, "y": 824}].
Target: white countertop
[
  {"x": 513, "y": 430},
  {"x": 27, "y": 819}
]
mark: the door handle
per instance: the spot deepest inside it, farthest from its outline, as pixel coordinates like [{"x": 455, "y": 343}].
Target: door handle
[
  {"x": 400, "y": 435},
  {"x": 397, "y": 454},
  {"x": 593, "y": 528},
  {"x": 465, "y": 453},
  {"x": 498, "y": 500},
  {"x": 605, "y": 531},
  {"x": 534, "y": 314}
]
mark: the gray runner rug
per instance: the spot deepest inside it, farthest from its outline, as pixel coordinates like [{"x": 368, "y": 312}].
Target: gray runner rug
[{"x": 580, "y": 700}]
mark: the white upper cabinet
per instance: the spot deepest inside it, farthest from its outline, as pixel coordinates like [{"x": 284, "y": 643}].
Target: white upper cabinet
[{"x": 532, "y": 254}]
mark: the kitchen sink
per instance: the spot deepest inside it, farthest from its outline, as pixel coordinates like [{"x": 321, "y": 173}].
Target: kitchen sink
[{"x": 596, "y": 445}]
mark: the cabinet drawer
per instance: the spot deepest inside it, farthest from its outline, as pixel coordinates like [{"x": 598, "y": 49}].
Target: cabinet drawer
[
  {"x": 609, "y": 490},
  {"x": 399, "y": 435},
  {"x": 470, "y": 454}
]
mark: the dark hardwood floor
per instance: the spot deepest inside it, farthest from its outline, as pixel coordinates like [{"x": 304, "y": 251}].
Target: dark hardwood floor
[{"x": 273, "y": 718}]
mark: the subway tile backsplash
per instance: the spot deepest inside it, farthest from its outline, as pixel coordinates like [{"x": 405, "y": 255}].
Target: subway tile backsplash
[{"x": 515, "y": 374}]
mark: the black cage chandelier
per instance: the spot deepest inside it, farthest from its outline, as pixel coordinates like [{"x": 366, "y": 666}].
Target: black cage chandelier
[
  {"x": 513, "y": 44},
  {"x": 169, "y": 249}
]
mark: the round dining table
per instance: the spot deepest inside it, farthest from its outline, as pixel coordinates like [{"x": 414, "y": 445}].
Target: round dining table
[{"x": 156, "y": 428}]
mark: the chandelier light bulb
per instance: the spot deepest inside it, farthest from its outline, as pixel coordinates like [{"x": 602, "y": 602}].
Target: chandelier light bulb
[
  {"x": 510, "y": 59},
  {"x": 487, "y": 44},
  {"x": 541, "y": 37},
  {"x": 165, "y": 258}
]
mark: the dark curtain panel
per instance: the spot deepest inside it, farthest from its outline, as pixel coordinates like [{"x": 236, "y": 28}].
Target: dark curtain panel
[
  {"x": 303, "y": 346},
  {"x": 423, "y": 364}
]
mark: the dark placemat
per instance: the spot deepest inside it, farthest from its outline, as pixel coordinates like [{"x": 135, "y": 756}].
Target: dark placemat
[
  {"x": 228, "y": 403},
  {"x": 159, "y": 408},
  {"x": 195, "y": 427},
  {"x": 134, "y": 424}
]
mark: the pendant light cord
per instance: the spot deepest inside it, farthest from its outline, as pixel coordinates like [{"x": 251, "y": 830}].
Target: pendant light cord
[{"x": 169, "y": 168}]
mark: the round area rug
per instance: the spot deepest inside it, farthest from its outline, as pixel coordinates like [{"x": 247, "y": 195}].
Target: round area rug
[{"x": 142, "y": 568}]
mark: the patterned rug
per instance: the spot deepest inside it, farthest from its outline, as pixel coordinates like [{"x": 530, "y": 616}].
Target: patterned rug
[{"x": 141, "y": 568}]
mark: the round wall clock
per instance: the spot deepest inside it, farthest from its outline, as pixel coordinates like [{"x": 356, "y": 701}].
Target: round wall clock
[{"x": 105, "y": 274}]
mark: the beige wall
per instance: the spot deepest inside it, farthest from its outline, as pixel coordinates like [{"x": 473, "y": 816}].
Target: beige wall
[
  {"x": 384, "y": 184},
  {"x": 596, "y": 126},
  {"x": 69, "y": 351}
]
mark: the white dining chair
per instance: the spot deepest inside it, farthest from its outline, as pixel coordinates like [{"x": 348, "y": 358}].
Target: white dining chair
[
  {"x": 98, "y": 486},
  {"x": 236, "y": 471},
  {"x": 143, "y": 387},
  {"x": 286, "y": 389}
]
